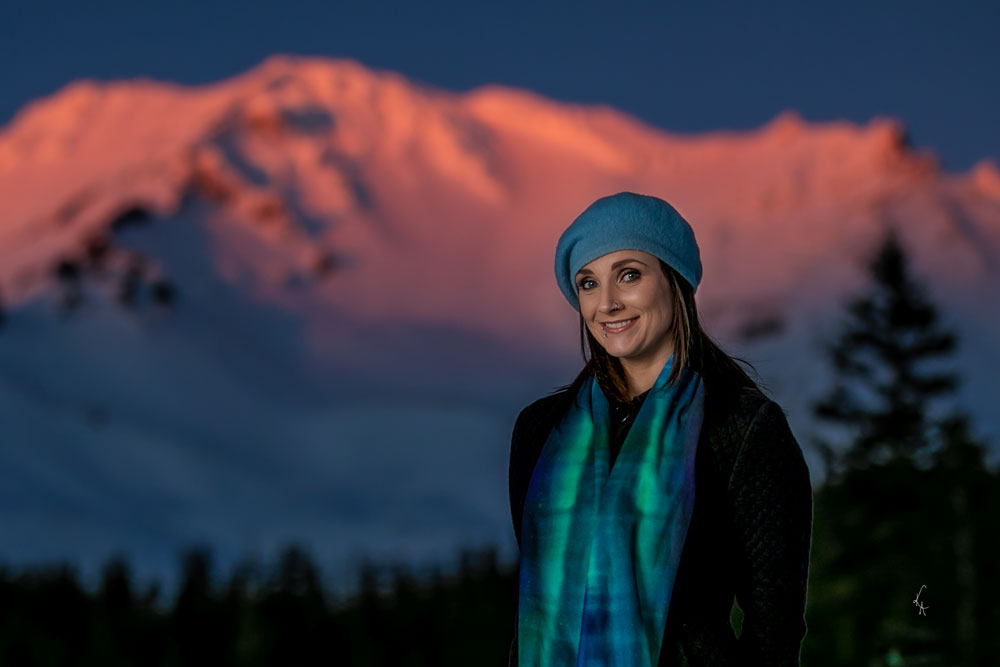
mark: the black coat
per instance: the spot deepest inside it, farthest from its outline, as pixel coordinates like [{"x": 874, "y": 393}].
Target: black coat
[{"x": 749, "y": 534}]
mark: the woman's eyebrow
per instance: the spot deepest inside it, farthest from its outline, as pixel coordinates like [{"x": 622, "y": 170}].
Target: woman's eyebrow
[{"x": 613, "y": 266}]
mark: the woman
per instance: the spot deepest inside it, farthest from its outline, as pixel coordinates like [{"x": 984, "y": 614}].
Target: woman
[{"x": 662, "y": 482}]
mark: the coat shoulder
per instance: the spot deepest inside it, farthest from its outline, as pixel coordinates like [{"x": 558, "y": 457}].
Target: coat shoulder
[
  {"x": 543, "y": 409},
  {"x": 531, "y": 429},
  {"x": 729, "y": 412},
  {"x": 533, "y": 424}
]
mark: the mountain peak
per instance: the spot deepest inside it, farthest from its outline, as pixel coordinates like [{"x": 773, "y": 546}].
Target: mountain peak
[
  {"x": 318, "y": 72},
  {"x": 786, "y": 122},
  {"x": 986, "y": 177}
]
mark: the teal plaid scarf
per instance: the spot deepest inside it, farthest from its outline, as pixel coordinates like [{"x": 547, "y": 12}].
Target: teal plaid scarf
[{"x": 600, "y": 546}]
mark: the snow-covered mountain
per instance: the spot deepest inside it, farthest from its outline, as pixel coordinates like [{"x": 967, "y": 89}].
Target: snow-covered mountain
[{"x": 306, "y": 303}]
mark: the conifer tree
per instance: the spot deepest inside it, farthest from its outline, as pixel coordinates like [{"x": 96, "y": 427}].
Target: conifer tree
[
  {"x": 882, "y": 392},
  {"x": 897, "y": 509}
]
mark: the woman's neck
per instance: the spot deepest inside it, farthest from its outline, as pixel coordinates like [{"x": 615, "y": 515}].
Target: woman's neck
[{"x": 641, "y": 375}]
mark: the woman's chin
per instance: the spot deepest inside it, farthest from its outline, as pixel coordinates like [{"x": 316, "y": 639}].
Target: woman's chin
[{"x": 620, "y": 351}]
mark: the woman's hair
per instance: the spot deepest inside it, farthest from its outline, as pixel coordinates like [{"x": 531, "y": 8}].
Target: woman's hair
[{"x": 691, "y": 345}]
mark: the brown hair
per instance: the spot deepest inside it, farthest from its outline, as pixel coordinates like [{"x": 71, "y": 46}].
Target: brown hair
[{"x": 691, "y": 346}]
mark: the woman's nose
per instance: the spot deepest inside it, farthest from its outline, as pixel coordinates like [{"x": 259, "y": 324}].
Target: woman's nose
[{"x": 609, "y": 299}]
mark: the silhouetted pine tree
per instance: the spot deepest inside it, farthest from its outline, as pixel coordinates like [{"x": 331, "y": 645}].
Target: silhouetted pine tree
[
  {"x": 201, "y": 633},
  {"x": 366, "y": 619},
  {"x": 896, "y": 512},
  {"x": 125, "y": 622},
  {"x": 882, "y": 393},
  {"x": 240, "y": 600},
  {"x": 294, "y": 611}
]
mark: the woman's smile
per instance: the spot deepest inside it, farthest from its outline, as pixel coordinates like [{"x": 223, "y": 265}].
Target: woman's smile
[{"x": 618, "y": 326}]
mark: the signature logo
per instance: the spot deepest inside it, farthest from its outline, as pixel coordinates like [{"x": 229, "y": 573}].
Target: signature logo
[{"x": 920, "y": 605}]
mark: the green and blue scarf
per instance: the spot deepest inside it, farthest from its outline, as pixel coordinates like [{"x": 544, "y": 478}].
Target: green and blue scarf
[{"x": 600, "y": 545}]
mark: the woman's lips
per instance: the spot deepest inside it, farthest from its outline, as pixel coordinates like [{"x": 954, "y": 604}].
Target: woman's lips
[{"x": 620, "y": 329}]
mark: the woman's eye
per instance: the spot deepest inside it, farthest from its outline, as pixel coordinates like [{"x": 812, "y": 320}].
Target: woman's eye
[{"x": 583, "y": 284}]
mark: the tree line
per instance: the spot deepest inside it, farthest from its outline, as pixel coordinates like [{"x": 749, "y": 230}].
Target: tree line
[{"x": 276, "y": 615}]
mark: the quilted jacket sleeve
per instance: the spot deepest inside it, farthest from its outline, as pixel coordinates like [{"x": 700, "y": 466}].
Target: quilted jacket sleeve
[
  {"x": 531, "y": 428},
  {"x": 519, "y": 474},
  {"x": 771, "y": 501},
  {"x": 519, "y": 470}
]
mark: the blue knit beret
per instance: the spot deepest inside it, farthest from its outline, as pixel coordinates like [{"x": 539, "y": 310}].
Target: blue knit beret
[{"x": 626, "y": 221}]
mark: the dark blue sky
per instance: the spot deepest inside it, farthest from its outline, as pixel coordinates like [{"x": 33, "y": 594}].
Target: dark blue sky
[{"x": 684, "y": 66}]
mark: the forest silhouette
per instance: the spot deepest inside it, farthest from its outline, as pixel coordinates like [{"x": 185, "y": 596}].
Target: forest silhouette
[{"x": 902, "y": 567}]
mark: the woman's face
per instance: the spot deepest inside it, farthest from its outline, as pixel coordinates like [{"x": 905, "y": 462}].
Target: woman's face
[{"x": 633, "y": 280}]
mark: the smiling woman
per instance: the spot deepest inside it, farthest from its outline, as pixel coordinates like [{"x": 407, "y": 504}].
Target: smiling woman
[
  {"x": 625, "y": 294},
  {"x": 662, "y": 483}
]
